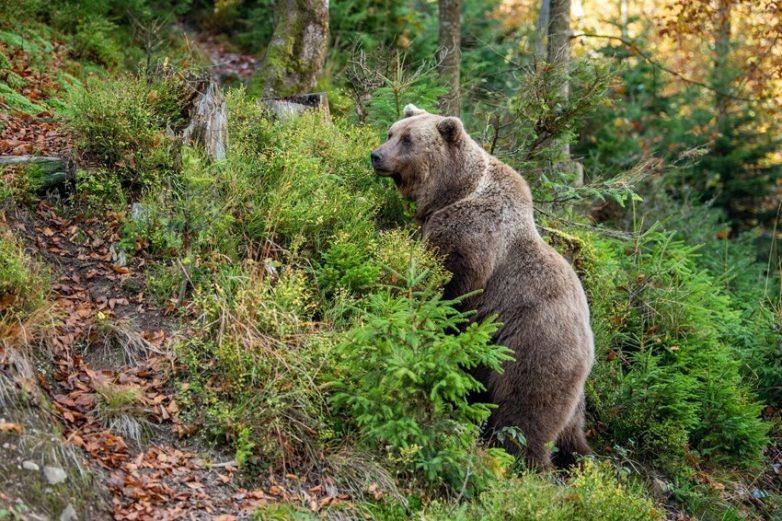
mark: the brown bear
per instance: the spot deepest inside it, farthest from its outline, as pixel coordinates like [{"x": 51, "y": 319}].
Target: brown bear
[{"x": 477, "y": 212}]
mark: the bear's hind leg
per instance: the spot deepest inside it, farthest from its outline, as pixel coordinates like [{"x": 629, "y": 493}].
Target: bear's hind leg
[
  {"x": 538, "y": 421},
  {"x": 572, "y": 442}
]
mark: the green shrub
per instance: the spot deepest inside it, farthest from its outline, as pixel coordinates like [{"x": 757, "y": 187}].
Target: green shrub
[
  {"x": 99, "y": 189},
  {"x": 123, "y": 125},
  {"x": 21, "y": 282},
  {"x": 298, "y": 185},
  {"x": 95, "y": 40},
  {"x": 743, "y": 275},
  {"x": 24, "y": 310},
  {"x": 401, "y": 378},
  {"x": 591, "y": 493},
  {"x": 251, "y": 368},
  {"x": 346, "y": 266},
  {"x": 667, "y": 386}
]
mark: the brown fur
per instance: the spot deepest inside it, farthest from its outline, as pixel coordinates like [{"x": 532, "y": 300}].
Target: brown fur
[{"x": 477, "y": 211}]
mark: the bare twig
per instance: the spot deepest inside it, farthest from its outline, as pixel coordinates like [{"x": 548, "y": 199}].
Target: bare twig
[{"x": 615, "y": 234}]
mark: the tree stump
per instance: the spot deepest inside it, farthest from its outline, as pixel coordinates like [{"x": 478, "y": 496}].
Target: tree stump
[{"x": 209, "y": 124}]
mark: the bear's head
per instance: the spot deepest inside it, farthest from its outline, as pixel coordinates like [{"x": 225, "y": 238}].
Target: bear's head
[{"x": 429, "y": 157}]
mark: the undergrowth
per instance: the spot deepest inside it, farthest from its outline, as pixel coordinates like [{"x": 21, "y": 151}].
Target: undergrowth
[
  {"x": 313, "y": 340},
  {"x": 25, "y": 313},
  {"x": 316, "y": 340}
]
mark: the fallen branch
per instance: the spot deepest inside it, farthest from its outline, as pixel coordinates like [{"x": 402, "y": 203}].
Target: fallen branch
[{"x": 53, "y": 170}]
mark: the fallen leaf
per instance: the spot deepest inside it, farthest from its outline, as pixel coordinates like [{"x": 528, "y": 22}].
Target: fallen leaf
[
  {"x": 118, "y": 302},
  {"x": 122, "y": 270},
  {"x": 11, "y": 427},
  {"x": 6, "y": 300},
  {"x": 374, "y": 489}
]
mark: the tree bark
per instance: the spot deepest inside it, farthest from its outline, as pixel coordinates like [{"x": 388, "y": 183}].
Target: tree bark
[
  {"x": 541, "y": 32},
  {"x": 294, "y": 58},
  {"x": 559, "y": 37},
  {"x": 559, "y": 56},
  {"x": 208, "y": 126},
  {"x": 722, "y": 70},
  {"x": 450, "y": 55}
]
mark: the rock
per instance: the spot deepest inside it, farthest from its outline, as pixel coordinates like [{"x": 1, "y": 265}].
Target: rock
[
  {"x": 759, "y": 494},
  {"x": 30, "y": 465},
  {"x": 660, "y": 487},
  {"x": 140, "y": 213},
  {"x": 54, "y": 475},
  {"x": 69, "y": 514}
]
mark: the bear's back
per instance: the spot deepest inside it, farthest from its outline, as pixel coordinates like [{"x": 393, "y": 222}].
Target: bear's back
[{"x": 531, "y": 287}]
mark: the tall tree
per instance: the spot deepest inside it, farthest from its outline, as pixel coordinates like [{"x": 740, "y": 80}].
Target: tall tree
[
  {"x": 294, "y": 58},
  {"x": 552, "y": 46},
  {"x": 741, "y": 172},
  {"x": 559, "y": 39},
  {"x": 450, "y": 55},
  {"x": 722, "y": 74},
  {"x": 541, "y": 32}
]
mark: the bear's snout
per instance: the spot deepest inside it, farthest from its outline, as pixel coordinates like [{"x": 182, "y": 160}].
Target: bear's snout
[
  {"x": 375, "y": 157},
  {"x": 377, "y": 163}
]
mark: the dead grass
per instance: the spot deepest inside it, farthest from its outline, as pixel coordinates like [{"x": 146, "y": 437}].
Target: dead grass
[
  {"x": 120, "y": 341},
  {"x": 121, "y": 409},
  {"x": 22, "y": 402}
]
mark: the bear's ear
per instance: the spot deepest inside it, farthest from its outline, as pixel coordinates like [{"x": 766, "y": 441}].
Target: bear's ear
[
  {"x": 411, "y": 110},
  {"x": 451, "y": 129}
]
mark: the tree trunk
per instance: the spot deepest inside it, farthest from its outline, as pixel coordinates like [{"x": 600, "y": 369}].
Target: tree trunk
[
  {"x": 294, "y": 58},
  {"x": 450, "y": 55},
  {"x": 541, "y": 32},
  {"x": 559, "y": 37},
  {"x": 624, "y": 9},
  {"x": 722, "y": 70},
  {"x": 559, "y": 56}
]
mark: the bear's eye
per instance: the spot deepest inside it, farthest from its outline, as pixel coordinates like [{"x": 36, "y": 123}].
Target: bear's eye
[
  {"x": 406, "y": 139},
  {"x": 390, "y": 135}
]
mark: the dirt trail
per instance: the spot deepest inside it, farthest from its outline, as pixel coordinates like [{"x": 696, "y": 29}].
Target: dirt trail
[{"x": 227, "y": 67}]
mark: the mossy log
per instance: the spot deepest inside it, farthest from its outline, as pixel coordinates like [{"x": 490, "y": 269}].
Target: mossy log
[{"x": 50, "y": 170}]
